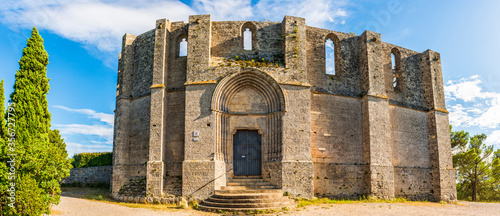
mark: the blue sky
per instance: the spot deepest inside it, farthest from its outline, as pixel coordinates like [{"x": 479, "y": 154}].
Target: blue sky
[{"x": 83, "y": 39}]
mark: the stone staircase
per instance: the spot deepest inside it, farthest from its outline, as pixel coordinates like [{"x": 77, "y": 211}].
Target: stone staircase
[{"x": 246, "y": 193}]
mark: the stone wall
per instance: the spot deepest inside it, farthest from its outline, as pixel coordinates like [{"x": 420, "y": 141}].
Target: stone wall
[
  {"x": 347, "y": 80},
  {"x": 227, "y": 38},
  {"x": 342, "y": 135},
  {"x": 132, "y": 113},
  {"x": 337, "y": 146},
  {"x": 410, "y": 154},
  {"x": 100, "y": 175}
]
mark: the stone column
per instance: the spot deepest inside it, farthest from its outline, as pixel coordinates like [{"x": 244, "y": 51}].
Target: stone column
[
  {"x": 443, "y": 174},
  {"x": 199, "y": 43},
  {"x": 296, "y": 163},
  {"x": 294, "y": 50},
  {"x": 155, "y": 166},
  {"x": 122, "y": 114},
  {"x": 202, "y": 172},
  {"x": 379, "y": 171}
]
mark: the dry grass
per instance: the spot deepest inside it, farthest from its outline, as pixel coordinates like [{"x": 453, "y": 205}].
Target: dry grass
[
  {"x": 55, "y": 212},
  {"x": 304, "y": 202}
]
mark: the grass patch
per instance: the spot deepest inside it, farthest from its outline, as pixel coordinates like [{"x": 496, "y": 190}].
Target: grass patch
[
  {"x": 306, "y": 202},
  {"x": 90, "y": 193},
  {"x": 157, "y": 207},
  {"x": 483, "y": 201}
]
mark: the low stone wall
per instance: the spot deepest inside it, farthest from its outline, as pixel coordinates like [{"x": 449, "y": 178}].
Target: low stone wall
[{"x": 100, "y": 175}]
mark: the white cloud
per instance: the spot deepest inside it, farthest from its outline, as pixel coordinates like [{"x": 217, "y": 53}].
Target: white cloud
[
  {"x": 99, "y": 137},
  {"x": 105, "y": 142},
  {"x": 318, "y": 13},
  {"x": 73, "y": 148},
  {"x": 466, "y": 89},
  {"x": 459, "y": 116},
  {"x": 104, "y": 117},
  {"x": 100, "y": 24},
  {"x": 494, "y": 139},
  {"x": 97, "y": 147},
  {"x": 475, "y": 106},
  {"x": 103, "y": 131},
  {"x": 224, "y": 9}
]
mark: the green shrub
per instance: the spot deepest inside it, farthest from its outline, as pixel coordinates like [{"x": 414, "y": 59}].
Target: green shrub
[{"x": 92, "y": 159}]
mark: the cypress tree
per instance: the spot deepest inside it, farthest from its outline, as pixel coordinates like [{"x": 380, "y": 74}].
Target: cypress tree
[
  {"x": 40, "y": 163},
  {"x": 3, "y": 126},
  {"x": 30, "y": 90}
]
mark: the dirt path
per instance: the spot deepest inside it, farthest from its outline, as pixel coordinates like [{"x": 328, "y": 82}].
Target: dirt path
[
  {"x": 399, "y": 209},
  {"x": 77, "y": 206},
  {"x": 82, "y": 207}
]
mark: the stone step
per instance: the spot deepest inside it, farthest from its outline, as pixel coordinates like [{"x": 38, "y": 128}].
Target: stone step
[
  {"x": 249, "y": 184},
  {"x": 249, "y": 196},
  {"x": 244, "y": 210},
  {"x": 250, "y": 191},
  {"x": 246, "y": 180},
  {"x": 248, "y": 187},
  {"x": 251, "y": 200},
  {"x": 242, "y": 199},
  {"x": 246, "y": 205},
  {"x": 247, "y": 177}
]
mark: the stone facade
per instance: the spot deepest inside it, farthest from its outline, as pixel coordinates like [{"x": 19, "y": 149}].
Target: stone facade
[
  {"x": 100, "y": 175},
  {"x": 346, "y": 135}
]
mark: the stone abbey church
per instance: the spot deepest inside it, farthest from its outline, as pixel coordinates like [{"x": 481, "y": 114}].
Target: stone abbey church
[{"x": 190, "y": 120}]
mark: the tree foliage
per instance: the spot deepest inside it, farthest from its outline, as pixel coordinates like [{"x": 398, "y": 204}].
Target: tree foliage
[
  {"x": 41, "y": 157},
  {"x": 477, "y": 171},
  {"x": 92, "y": 159},
  {"x": 3, "y": 125},
  {"x": 459, "y": 139}
]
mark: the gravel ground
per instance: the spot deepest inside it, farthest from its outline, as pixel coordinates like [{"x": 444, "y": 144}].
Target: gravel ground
[
  {"x": 77, "y": 206},
  {"x": 82, "y": 207},
  {"x": 399, "y": 209}
]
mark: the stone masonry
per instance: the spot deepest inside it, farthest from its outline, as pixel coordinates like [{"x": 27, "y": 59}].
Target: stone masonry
[
  {"x": 100, "y": 175},
  {"x": 370, "y": 129}
]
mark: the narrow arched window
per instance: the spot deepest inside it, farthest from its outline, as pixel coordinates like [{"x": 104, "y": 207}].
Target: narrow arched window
[
  {"x": 183, "y": 45},
  {"x": 396, "y": 70},
  {"x": 247, "y": 39},
  {"x": 248, "y": 31},
  {"x": 393, "y": 67},
  {"x": 332, "y": 55}
]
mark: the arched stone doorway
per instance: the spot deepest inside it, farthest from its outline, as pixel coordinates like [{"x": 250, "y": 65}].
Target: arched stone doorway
[{"x": 248, "y": 101}]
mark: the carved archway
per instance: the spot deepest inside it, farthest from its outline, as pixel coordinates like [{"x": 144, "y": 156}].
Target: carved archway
[{"x": 274, "y": 105}]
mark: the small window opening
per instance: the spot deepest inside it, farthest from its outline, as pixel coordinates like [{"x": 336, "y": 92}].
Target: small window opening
[
  {"x": 394, "y": 71},
  {"x": 330, "y": 57},
  {"x": 247, "y": 39},
  {"x": 183, "y": 47}
]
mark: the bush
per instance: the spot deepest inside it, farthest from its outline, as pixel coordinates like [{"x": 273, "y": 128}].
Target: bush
[{"x": 92, "y": 159}]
